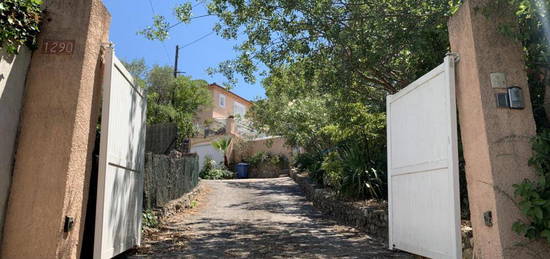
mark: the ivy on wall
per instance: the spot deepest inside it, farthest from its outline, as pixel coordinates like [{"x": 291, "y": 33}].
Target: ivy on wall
[
  {"x": 19, "y": 23},
  {"x": 535, "y": 194}
]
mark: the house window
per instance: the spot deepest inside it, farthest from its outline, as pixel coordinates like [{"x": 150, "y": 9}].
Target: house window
[
  {"x": 238, "y": 109},
  {"x": 221, "y": 102}
]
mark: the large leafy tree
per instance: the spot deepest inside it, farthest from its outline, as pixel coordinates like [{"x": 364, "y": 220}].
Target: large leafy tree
[
  {"x": 358, "y": 45},
  {"x": 534, "y": 32},
  {"x": 306, "y": 118},
  {"x": 291, "y": 111},
  {"x": 344, "y": 136},
  {"x": 170, "y": 99}
]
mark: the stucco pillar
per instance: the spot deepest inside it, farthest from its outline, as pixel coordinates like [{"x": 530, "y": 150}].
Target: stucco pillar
[
  {"x": 495, "y": 140},
  {"x": 57, "y": 130}
]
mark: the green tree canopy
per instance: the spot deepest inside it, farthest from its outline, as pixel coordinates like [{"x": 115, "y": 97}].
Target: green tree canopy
[
  {"x": 306, "y": 118},
  {"x": 170, "y": 99},
  {"x": 355, "y": 45}
]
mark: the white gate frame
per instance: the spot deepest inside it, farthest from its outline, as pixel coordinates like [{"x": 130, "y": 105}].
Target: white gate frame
[
  {"x": 447, "y": 71},
  {"x": 121, "y": 161}
]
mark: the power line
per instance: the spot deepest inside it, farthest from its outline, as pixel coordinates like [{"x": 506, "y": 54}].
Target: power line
[
  {"x": 199, "y": 3},
  {"x": 192, "y": 18},
  {"x": 197, "y": 40},
  {"x": 176, "y": 72},
  {"x": 162, "y": 42},
  {"x": 152, "y": 8},
  {"x": 166, "y": 52}
]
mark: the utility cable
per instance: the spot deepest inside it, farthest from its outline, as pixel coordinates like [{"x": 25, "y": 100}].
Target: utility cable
[
  {"x": 197, "y": 40},
  {"x": 162, "y": 42}
]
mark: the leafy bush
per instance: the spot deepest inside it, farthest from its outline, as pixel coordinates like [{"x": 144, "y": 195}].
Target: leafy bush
[
  {"x": 535, "y": 195},
  {"x": 214, "y": 171},
  {"x": 311, "y": 162},
  {"x": 169, "y": 99},
  {"x": 364, "y": 172},
  {"x": 354, "y": 173},
  {"x": 333, "y": 168},
  {"x": 149, "y": 219},
  {"x": 268, "y": 158},
  {"x": 223, "y": 146},
  {"x": 19, "y": 21},
  {"x": 217, "y": 174}
]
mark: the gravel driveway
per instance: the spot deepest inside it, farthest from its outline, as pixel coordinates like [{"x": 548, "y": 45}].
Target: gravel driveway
[{"x": 258, "y": 218}]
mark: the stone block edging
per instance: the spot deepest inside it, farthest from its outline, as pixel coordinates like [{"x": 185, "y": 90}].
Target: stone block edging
[
  {"x": 372, "y": 220},
  {"x": 180, "y": 204}
]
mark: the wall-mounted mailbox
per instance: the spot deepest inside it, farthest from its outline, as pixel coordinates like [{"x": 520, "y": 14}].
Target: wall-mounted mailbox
[
  {"x": 502, "y": 100},
  {"x": 515, "y": 96}
]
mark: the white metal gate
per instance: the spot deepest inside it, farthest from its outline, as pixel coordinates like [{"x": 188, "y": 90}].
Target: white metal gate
[
  {"x": 424, "y": 208},
  {"x": 121, "y": 161}
]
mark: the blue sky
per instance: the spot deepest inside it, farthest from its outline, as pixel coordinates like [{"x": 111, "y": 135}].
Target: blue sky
[{"x": 131, "y": 16}]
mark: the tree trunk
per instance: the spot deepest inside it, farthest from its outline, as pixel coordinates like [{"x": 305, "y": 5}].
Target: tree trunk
[
  {"x": 225, "y": 162},
  {"x": 547, "y": 100}
]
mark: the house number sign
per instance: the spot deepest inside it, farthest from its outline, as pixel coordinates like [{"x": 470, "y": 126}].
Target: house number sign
[{"x": 58, "y": 47}]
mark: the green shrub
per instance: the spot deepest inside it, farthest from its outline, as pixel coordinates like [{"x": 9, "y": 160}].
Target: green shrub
[
  {"x": 217, "y": 174},
  {"x": 149, "y": 219},
  {"x": 311, "y": 162},
  {"x": 333, "y": 168},
  {"x": 364, "y": 172},
  {"x": 267, "y": 158},
  {"x": 19, "y": 21},
  {"x": 535, "y": 195},
  {"x": 208, "y": 164},
  {"x": 353, "y": 173},
  {"x": 213, "y": 171}
]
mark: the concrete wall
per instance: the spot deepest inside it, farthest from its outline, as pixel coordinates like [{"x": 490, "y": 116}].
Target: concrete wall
[
  {"x": 13, "y": 71},
  {"x": 241, "y": 149},
  {"x": 60, "y": 111},
  {"x": 204, "y": 150},
  {"x": 167, "y": 178}
]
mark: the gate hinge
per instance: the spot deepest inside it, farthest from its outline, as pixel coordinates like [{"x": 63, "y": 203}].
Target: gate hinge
[
  {"x": 455, "y": 56},
  {"x": 104, "y": 46}
]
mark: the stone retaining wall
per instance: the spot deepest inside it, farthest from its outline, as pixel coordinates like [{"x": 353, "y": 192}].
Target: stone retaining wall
[
  {"x": 178, "y": 205},
  {"x": 373, "y": 219},
  {"x": 265, "y": 170},
  {"x": 168, "y": 178}
]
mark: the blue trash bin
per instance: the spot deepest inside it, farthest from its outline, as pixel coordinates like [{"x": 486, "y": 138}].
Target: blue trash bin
[{"x": 242, "y": 170}]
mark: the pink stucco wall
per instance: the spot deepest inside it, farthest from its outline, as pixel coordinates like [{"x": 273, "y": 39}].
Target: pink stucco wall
[
  {"x": 245, "y": 148},
  {"x": 58, "y": 121},
  {"x": 495, "y": 140}
]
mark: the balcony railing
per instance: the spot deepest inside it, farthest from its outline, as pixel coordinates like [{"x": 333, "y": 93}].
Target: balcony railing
[{"x": 242, "y": 128}]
